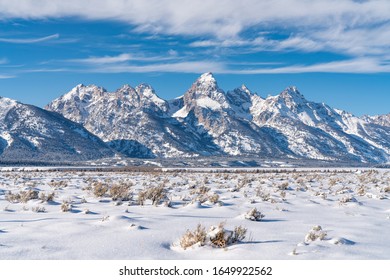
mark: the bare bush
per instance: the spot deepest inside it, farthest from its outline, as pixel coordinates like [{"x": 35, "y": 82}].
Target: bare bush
[
  {"x": 120, "y": 192},
  {"x": 216, "y": 236},
  {"x": 66, "y": 206},
  {"x": 283, "y": 186},
  {"x": 58, "y": 184},
  {"x": 316, "y": 233},
  {"x": 200, "y": 190},
  {"x": 46, "y": 197},
  {"x": 156, "y": 194},
  {"x": 239, "y": 234},
  {"x": 190, "y": 238},
  {"x": 22, "y": 196},
  {"x": 254, "y": 215},
  {"x": 38, "y": 209},
  {"x": 346, "y": 199},
  {"x": 214, "y": 198},
  {"x": 99, "y": 189}
]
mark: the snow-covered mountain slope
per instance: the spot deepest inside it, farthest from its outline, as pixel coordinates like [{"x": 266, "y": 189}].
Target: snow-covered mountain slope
[
  {"x": 315, "y": 130},
  {"x": 134, "y": 121},
  {"x": 208, "y": 121},
  {"x": 383, "y": 120},
  {"x": 29, "y": 133}
]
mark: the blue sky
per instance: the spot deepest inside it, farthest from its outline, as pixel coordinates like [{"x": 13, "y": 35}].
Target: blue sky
[{"x": 334, "y": 51}]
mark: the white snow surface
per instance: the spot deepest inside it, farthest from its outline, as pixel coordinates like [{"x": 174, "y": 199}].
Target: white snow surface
[
  {"x": 350, "y": 206},
  {"x": 207, "y": 102}
]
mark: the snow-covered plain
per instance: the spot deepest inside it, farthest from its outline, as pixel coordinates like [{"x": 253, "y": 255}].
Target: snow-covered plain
[{"x": 84, "y": 220}]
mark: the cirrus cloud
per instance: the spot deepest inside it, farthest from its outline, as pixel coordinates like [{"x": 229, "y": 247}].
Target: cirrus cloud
[
  {"x": 357, "y": 30},
  {"x": 29, "y": 40}
]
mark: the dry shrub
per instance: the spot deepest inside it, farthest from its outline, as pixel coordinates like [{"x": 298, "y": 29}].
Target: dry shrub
[
  {"x": 99, "y": 189},
  {"x": 361, "y": 191},
  {"x": 120, "y": 192},
  {"x": 346, "y": 199},
  {"x": 200, "y": 190},
  {"x": 316, "y": 233},
  {"x": 58, "y": 184},
  {"x": 265, "y": 196},
  {"x": 333, "y": 181},
  {"x": 217, "y": 236},
  {"x": 66, "y": 206},
  {"x": 254, "y": 215},
  {"x": 283, "y": 186},
  {"x": 221, "y": 237},
  {"x": 47, "y": 197},
  {"x": 22, "y": 196},
  {"x": 239, "y": 234},
  {"x": 38, "y": 209},
  {"x": 214, "y": 198},
  {"x": 156, "y": 194},
  {"x": 190, "y": 238}
]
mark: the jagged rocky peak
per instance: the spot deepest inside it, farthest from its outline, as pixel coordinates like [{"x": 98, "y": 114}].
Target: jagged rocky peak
[
  {"x": 292, "y": 93},
  {"x": 205, "y": 84},
  {"x": 207, "y": 78},
  {"x": 82, "y": 92},
  {"x": 126, "y": 89},
  {"x": 148, "y": 94},
  {"x": 245, "y": 89},
  {"x": 145, "y": 90},
  {"x": 291, "y": 97},
  {"x": 205, "y": 93},
  {"x": 239, "y": 95}
]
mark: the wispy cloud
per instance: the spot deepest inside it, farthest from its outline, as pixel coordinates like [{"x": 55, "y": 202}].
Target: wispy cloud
[
  {"x": 169, "y": 67},
  {"x": 103, "y": 60},
  {"x": 359, "y": 31},
  {"x": 29, "y": 40},
  {"x": 3, "y": 60},
  {"x": 121, "y": 58},
  {"x": 174, "y": 67},
  {"x": 348, "y": 26},
  {"x": 360, "y": 65},
  {"x": 356, "y": 65},
  {"x": 6, "y": 76}
]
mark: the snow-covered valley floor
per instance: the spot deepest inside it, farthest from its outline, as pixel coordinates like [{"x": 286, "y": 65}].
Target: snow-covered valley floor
[{"x": 308, "y": 214}]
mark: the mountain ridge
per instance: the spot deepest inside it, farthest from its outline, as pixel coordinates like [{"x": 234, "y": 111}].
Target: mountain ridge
[
  {"x": 206, "y": 121},
  {"x": 29, "y": 133}
]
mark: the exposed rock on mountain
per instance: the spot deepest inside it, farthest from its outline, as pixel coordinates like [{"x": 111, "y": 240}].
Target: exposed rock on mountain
[
  {"x": 29, "y": 134},
  {"x": 208, "y": 121}
]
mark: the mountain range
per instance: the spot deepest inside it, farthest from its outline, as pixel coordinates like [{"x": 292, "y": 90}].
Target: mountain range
[
  {"x": 32, "y": 134},
  {"x": 91, "y": 123}
]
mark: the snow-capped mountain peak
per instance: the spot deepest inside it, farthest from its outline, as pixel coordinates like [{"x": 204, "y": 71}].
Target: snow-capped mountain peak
[
  {"x": 126, "y": 89},
  {"x": 205, "y": 84},
  {"x": 206, "y": 120},
  {"x": 207, "y": 78},
  {"x": 205, "y": 93},
  {"x": 82, "y": 92},
  {"x": 292, "y": 93},
  {"x": 147, "y": 93},
  {"x": 245, "y": 89},
  {"x": 7, "y": 102}
]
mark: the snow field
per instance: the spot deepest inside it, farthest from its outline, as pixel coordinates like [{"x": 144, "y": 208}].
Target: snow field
[{"x": 287, "y": 214}]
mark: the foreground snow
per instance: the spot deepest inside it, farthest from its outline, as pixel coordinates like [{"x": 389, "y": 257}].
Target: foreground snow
[{"x": 308, "y": 214}]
